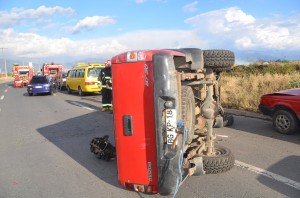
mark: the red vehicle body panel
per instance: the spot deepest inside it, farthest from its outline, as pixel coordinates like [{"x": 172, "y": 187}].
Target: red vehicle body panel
[
  {"x": 54, "y": 70},
  {"x": 288, "y": 98},
  {"x": 137, "y": 152},
  {"x": 22, "y": 75},
  {"x": 143, "y": 157}
]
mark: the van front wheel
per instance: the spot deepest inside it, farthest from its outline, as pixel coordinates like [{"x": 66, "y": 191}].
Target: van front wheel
[{"x": 69, "y": 90}]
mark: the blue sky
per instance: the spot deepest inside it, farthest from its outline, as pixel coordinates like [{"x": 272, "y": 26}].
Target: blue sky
[{"x": 66, "y": 31}]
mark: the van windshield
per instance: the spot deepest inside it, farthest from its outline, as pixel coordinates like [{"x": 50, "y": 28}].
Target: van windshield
[{"x": 93, "y": 72}]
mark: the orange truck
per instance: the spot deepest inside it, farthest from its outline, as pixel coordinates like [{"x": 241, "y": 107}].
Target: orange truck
[
  {"x": 22, "y": 75},
  {"x": 53, "y": 70}
]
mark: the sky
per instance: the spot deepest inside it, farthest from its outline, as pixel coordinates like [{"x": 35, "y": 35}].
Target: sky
[{"x": 67, "y": 31}]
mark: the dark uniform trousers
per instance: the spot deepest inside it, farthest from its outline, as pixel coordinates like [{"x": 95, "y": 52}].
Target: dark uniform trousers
[{"x": 106, "y": 97}]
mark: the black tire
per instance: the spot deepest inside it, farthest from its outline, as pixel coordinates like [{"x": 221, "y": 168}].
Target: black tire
[
  {"x": 221, "y": 162},
  {"x": 69, "y": 90},
  {"x": 30, "y": 94},
  {"x": 80, "y": 92},
  {"x": 219, "y": 122},
  {"x": 188, "y": 111},
  {"x": 228, "y": 120},
  {"x": 218, "y": 60},
  {"x": 285, "y": 122}
]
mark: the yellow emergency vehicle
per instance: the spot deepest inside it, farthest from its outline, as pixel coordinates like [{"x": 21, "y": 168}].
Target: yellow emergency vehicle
[{"x": 84, "y": 78}]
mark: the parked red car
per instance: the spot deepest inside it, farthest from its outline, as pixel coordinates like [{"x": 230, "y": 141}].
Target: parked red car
[{"x": 284, "y": 108}]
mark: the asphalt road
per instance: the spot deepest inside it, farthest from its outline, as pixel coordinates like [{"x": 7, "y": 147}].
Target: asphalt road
[{"x": 44, "y": 153}]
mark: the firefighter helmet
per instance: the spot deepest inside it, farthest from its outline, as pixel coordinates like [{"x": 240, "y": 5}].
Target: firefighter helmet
[{"x": 107, "y": 63}]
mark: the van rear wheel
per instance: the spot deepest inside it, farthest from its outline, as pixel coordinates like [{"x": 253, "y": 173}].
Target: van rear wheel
[{"x": 80, "y": 92}]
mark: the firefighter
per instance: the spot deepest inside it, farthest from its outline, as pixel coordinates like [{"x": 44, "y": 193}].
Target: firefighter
[{"x": 105, "y": 78}]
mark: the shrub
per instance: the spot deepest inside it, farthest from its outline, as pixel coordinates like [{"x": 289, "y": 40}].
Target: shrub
[{"x": 242, "y": 87}]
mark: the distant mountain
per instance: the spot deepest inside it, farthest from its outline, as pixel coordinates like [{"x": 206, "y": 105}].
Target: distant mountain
[
  {"x": 241, "y": 57},
  {"x": 251, "y": 56},
  {"x": 37, "y": 64}
]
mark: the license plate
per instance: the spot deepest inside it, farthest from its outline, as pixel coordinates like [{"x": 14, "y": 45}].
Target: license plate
[
  {"x": 38, "y": 86},
  {"x": 171, "y": 125}
]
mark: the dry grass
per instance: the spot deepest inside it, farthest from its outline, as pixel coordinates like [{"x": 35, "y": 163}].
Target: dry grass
[
  {"x": 3, "y": 80},
  {"x": 244, "y": 92}
]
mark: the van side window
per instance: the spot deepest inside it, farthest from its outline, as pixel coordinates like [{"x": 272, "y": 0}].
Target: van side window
[
  {"x": 82, "y": 73},
  {"x": 78, "y": 73},
  {"x": 72, "y": 73}
]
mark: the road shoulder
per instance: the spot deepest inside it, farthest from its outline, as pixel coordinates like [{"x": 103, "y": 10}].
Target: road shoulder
[{"x": 247, "y": 114}]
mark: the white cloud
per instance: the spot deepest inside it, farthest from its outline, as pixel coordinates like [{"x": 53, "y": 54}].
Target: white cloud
[
  {"x": 18, "y": 15},
  {"x": 161, "y": 39},
  {"x": 272, "y": 36},
  {"x": 90, "y": 23},
  {"x": 140, "y": 1},
  {"x": 231, "y": 27},
  {"x": 32, "y": 45},
  {"x": 236, "y": 15},
  {"x": 144, "y": 1},
  {"x": 42, "y": 21},
  {"x": 191, "y": 7},
  {"x": 244, "y": 42},
  {"x": 220, "y": 21}
]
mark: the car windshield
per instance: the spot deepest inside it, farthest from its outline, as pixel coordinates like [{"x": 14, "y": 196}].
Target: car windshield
[
  {"x": 64, "y": 75},
  {"x": 39, "y": 81},
  {"x": 93, "y": 72}
]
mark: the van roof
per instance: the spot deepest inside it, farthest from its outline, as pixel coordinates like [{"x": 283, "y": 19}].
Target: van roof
[{"x": 83, "y": 65}]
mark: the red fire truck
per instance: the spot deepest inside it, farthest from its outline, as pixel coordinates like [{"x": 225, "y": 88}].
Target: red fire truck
[
  {"x": 52, "y": 69},
  {"x": 22, "y": 75},
  {"x": 166, "y": 103}
]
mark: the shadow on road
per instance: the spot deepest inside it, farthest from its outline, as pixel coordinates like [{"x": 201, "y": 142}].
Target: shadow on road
[
  {"x": 75, "y": 93},
  {"x": 74, "y": 135},
  {"x": 282, "y": 183},
  {"x": 93, "y": 99},
  {"x": 83, "y": 104},
  {"x": 262, "y": 127}
]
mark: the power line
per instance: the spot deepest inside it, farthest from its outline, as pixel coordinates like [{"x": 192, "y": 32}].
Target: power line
[{"x": 4, "y": 61}]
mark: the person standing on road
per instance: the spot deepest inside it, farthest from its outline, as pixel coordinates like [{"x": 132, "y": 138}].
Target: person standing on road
[{"x": 105, "y": 77}]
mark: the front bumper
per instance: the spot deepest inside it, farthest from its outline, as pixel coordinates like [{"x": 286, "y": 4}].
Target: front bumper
[
  {"x": 165, "y": 90},
  {"x": 265, "y": 110},
  {"x": 38, "y": 90}
]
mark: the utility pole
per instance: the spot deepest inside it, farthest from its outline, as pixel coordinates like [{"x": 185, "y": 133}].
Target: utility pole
[{"x": 4, "y": 61}]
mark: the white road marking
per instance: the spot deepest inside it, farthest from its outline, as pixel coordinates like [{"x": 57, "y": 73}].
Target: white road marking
[
  {"x": 5, "y": 90},
  {"x": 78, "y": 104},
  {"x": 269, "y": 174},
  {"x": 88, "y": 108},
  {"x": 2, "y": 97},
  {"x": 224, "y": 136}
]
